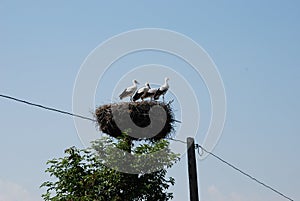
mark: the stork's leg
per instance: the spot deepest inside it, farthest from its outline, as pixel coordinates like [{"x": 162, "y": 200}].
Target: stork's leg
[{"x": 163, "y": 98}]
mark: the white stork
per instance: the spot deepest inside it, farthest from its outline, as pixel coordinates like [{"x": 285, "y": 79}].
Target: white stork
[
  {"x": 150, "y": 94},
  {"x": 129, "y": 91},
  {"x": 162, "y": 90},
  {"x": 141, "y": 92}
]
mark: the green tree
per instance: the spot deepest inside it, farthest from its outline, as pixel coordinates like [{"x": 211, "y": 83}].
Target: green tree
[{"x": 84, "y": 175}]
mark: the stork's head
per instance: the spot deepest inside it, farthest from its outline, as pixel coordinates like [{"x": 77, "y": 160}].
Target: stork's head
[
  {"x": 135, "y": 82},
  {"x": 167, "y": 79},
  {"x": 148, "y": 85}
]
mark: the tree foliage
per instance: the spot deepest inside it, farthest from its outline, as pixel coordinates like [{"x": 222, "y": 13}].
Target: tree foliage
[{"x": 84, "y": 175}]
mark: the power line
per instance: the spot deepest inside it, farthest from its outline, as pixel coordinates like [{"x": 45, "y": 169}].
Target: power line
[
  {"x": 244, "y": 173},
  {"x": 46, "y": 108},
  {"x": 197, "y": 146},
  {"x": 176, "y": 140}
]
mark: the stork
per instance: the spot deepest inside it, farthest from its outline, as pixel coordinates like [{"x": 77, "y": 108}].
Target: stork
[
  {"x": 129, "y": 91},
  {"x": 141, "y": 92},
  {"x": 150, "y": 94},
  {"x": 162, "y": 90}
]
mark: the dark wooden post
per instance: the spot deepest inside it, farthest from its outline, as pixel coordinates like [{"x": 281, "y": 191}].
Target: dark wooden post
[{"x": 192, "y": 168}]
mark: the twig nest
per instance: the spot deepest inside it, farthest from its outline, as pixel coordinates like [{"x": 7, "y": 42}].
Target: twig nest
[{"x": 146, "y": 120}]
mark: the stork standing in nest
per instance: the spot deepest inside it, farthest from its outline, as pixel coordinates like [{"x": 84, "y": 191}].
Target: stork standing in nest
[
  {"x": 141, "y": 92},
  {"x": 162, "y": 90},
  {"x": 150, "y": 94},
  {"x": 129, "y": 91}
]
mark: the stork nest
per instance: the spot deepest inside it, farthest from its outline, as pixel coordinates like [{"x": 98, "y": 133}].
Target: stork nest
[{"x": 146, "y": 120}]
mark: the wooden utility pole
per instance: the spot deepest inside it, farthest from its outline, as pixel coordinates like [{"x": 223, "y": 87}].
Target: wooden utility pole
[{"x": 192, "y": 170}]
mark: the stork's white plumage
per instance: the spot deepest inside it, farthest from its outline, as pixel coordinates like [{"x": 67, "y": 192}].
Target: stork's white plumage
[
  {"x": 141, "y": 92},
  {"x": 150, "y": 94},
  {"x": 129, "y": 91},
  {"x": 162, "y": 90}
]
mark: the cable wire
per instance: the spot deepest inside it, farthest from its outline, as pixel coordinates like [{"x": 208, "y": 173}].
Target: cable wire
[
  {"x": 46, "y": 108},
  {"x": 244, "y": 173},
  {"x": 176, "y": 140}
]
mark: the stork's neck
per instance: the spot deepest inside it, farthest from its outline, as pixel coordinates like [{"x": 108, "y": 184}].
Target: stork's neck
[{"x": 166, "y": 83}]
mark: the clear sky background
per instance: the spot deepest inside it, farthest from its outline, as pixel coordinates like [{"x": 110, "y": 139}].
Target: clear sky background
[{"x": 255, "y": 45}]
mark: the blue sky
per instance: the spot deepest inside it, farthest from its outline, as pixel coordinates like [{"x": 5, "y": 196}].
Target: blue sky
[{"x": 255, "y": 45}]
